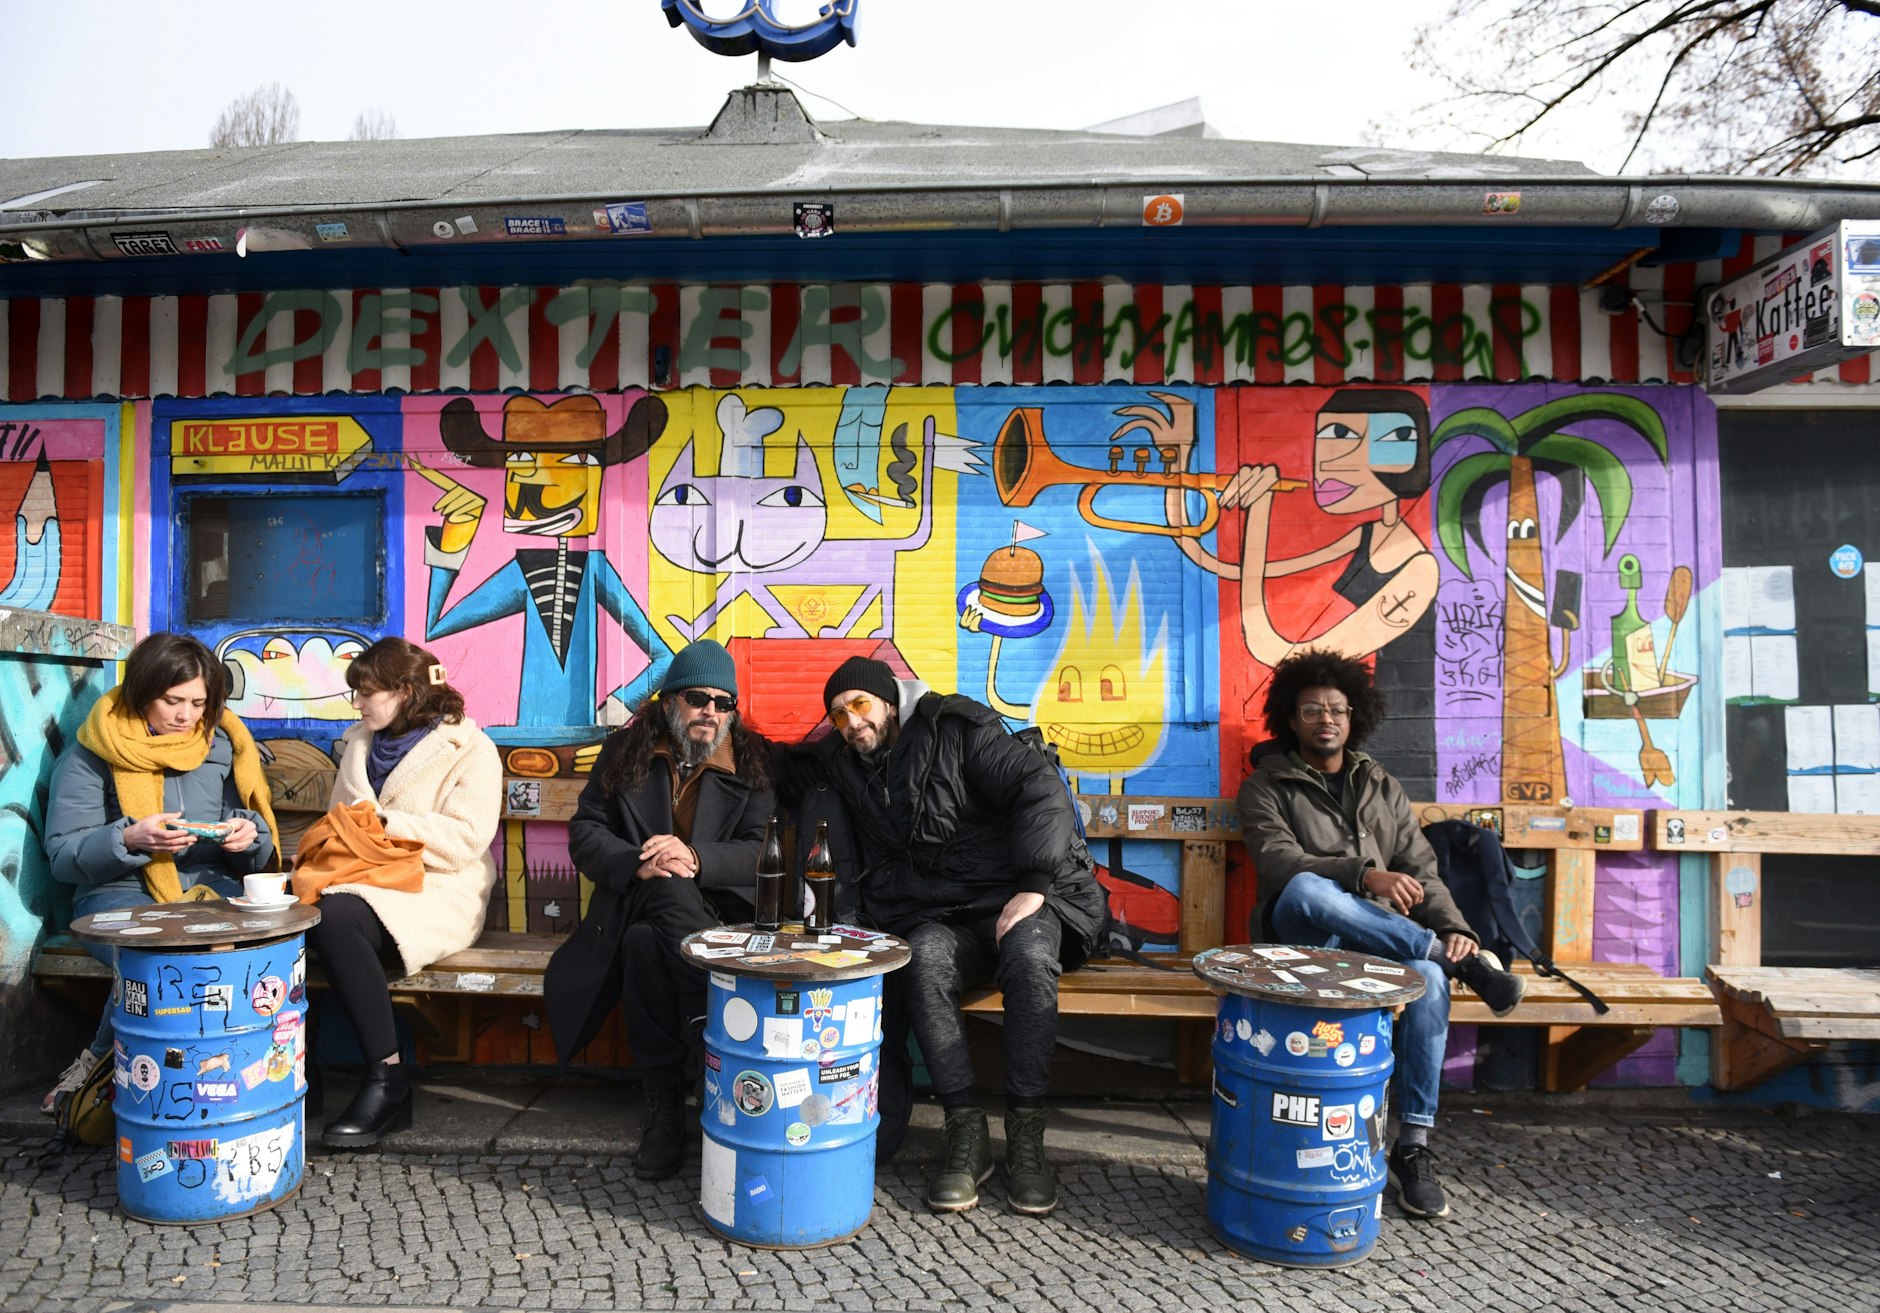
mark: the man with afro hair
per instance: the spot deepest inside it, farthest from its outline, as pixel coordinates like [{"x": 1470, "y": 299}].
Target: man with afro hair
[{"x": 1340, "y": 863}]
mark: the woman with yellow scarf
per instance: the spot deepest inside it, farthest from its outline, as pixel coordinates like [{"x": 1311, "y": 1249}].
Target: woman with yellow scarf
[{"x": 158, "y": 748}]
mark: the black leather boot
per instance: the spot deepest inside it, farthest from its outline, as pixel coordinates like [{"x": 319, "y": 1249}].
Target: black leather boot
[
  {"x": 382, "y": 1105},
  {"x": 662, "y": 1138}
]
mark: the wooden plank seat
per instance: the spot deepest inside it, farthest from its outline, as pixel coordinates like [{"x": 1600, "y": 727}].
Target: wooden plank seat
[
  {"x": 500, "y": 964},
  {"x": 1776, "y": 1017},
  {"x": 440, "y": 999},
  {"x": 1773, "y": 1017},
  {"x": 1581, "y": 1042}
]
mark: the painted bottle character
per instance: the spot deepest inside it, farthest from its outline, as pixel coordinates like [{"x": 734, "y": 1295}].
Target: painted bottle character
[{"x": 1634, "y": 660}]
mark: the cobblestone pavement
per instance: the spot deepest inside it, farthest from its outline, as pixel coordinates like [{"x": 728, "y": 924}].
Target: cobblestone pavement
[{"x": 1599, "y": 1210}]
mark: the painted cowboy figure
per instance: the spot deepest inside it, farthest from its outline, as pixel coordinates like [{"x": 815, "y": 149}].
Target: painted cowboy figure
[{"x": 552, "y": 456}]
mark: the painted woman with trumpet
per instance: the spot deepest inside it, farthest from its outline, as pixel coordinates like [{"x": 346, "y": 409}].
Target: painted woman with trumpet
[{"x": 1370, "y": 459}]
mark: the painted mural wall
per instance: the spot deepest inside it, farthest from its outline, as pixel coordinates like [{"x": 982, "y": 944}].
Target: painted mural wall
[
  {"x": 57, "y": 554},
  {"x": 1528, "y": 565},
  {"x": 1104, "y": 509}
]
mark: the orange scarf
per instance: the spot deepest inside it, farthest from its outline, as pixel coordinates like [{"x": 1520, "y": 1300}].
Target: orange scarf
[
  {"x": 349, "y": 845},
  {"x": 138, "y": 760}
]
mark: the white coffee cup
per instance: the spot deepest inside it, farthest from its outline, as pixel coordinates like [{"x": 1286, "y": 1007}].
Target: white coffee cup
[{"x": 268, "y": 887}]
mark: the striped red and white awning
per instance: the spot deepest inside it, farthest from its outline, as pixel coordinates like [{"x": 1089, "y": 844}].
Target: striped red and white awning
[{"x": 550, "y": 339}]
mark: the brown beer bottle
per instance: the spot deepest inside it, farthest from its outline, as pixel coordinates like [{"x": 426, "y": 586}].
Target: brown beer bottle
[
  {"x": 770, "y": 879},
  {"x": 819, "y": 875}
]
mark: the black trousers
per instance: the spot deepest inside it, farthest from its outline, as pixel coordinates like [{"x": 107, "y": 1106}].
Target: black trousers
[
  {"x": 355, "y": 947},
  {"x": 660, "y": 990}
]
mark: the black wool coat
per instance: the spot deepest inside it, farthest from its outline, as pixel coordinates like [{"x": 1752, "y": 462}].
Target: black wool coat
[
  {"x": 965, "y": 818},
  {"x": 582, "y": 982}
]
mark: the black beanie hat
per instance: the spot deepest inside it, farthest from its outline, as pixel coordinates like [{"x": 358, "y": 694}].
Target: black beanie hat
[{"x": 875, "y": 677}]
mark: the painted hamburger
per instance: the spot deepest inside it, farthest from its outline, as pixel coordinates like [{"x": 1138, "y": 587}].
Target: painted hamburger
[{"x": 1011, "y": 584}]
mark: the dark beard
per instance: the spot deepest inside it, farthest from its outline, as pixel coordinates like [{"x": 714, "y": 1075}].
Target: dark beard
[
  {"x": 686, "y": 751},
  {"x": 889, "y": 733}
]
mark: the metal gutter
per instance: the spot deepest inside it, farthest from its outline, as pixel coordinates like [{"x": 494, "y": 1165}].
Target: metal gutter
[{"x": 995, "y": 206}]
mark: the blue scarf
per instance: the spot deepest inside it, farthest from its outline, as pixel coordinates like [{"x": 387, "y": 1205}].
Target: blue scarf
[{"x": 388, "y": 750}]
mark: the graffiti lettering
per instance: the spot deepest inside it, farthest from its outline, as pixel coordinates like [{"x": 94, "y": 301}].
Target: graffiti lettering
[
  {"x": 825, "y": 323},
  {"x": 382, "y": 313},
  {"x": 716, "y": 337},
  {"x": 324, "y": 305},
  {"x": 20, "y": 447},
  {"x": 1460, "y": 775}
]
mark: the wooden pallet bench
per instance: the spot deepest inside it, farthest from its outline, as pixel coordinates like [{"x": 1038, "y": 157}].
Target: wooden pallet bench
[
  {"x": 1578, "y": 1043},
  {"x": 1773, "y": 1017}
]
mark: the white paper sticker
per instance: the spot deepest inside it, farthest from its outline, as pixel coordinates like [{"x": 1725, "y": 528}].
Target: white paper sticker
[
  {"x": 783, "y": 1037},
  {"x": 740, "y": 1019},
  {"x": 106, "y": 918},
  {"x": 725, "y": 981},
  {"x": 1625, "y": 826},
  {"x": 793, "y": 1087},
  {"x": 1320, "y": 1157},
  {"x": 718, "y": 1179},
  {"x": 858, "y": 1024}
]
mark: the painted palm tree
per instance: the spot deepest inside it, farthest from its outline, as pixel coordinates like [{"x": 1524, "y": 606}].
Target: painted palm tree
[{"x": 1533, "y": 767}]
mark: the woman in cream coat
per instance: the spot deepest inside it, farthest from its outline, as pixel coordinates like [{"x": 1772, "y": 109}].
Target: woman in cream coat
[{"x": 437, "y": 778}]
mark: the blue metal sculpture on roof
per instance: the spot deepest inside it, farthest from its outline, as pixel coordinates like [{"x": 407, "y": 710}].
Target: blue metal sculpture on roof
[{"x": 756, "y": 29}]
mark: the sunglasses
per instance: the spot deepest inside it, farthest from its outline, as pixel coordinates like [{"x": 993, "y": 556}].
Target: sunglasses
[
  {"x": 857, "y": 707},
  {"x": 699, "y": 699}
]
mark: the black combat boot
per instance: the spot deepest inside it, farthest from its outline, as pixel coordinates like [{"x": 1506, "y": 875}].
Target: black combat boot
[
  {"x": 1030, "y": 1183},
  {"x": 965, "y": 1162},
  {"x": 662, "y": 1135}
]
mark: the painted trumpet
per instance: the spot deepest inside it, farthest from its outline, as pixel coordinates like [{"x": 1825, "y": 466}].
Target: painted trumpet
[{"x": 1023, "y": 465}]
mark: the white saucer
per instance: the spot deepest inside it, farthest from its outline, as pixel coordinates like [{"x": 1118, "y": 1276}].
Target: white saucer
[{"x": 252, "y": 906}]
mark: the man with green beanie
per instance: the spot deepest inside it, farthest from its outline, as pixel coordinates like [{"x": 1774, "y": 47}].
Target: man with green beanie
[
  {"x": 668, "y": 829},
  {"x": 960, "y": 839}
]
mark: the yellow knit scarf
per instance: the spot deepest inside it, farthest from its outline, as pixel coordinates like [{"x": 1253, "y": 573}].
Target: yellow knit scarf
[{"x": 138, "y": 760}]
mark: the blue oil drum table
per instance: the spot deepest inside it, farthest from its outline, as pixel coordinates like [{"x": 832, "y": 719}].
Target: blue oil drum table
[
  {"x": 1302, "y": 1066},
  {"x": 792, "y": 1073},
  {"x": 210, "y": 1003}
]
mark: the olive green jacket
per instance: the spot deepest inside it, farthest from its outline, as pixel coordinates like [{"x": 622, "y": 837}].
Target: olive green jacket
[{"x": 1291, "y": 823}]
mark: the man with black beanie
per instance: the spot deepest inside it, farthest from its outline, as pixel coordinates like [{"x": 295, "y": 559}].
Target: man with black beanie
[{"x": 960, "y": 839}]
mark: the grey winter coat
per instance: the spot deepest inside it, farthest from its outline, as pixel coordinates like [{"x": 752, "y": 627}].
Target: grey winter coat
[
  {"x": 1291, "y": 823},
  {"x": 85, "y": 826}
]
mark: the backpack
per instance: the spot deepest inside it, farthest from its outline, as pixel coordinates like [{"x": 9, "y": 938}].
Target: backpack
[
  {"x": 1114, "y": 938},
  {"x": 1476, "y": 870},
  {"x": 85, "y": 1115}
]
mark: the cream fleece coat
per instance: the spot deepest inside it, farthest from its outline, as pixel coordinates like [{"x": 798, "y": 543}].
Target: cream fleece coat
[{"x": 447, "y": 792}]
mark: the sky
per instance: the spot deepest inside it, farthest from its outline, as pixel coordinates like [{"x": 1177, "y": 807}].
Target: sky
[{"x": 110, "y": 76}]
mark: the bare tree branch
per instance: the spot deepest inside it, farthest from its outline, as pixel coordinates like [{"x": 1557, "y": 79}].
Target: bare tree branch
[
  {"x": 265, "y": 116},
  {"x": 374, "y": 125},
  {"x": 1757, "y": 86}
]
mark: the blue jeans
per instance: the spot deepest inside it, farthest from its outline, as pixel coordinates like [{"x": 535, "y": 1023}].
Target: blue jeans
[
  {"x": 117, "y": 896},
  {"x": 1312, "y": 910}
]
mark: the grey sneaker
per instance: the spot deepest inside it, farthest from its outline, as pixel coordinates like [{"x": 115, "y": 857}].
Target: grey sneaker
[
  {"x": 1499, "y": 988},
  {"x": 1413, "y": 1177},
  {"x": 71, "y": 1079}
]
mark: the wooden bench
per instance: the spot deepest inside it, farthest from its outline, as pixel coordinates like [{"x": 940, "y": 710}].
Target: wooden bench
[
  {"x": 1773, "y": 1017},
  {"x": 1579, "y": 1043}
]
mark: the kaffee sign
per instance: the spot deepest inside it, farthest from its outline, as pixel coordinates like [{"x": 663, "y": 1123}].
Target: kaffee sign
[{"x": 1815, "y": 304}]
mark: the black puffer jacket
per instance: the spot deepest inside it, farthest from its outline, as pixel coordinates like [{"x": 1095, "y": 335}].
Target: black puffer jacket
[{"x": 960, "y": 818}]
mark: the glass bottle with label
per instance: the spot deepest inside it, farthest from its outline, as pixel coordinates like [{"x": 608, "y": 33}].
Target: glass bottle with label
[
  {"x": 770, "y": 872},
  {"x": 1634, "y": 658},
  {"x": 819, "y": 880}
]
